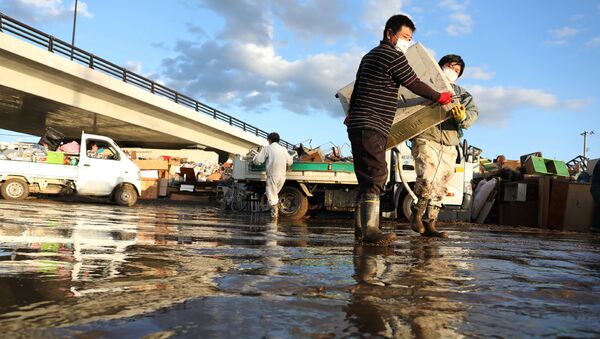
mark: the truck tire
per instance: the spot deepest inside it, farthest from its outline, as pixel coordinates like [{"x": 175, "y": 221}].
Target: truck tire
[
  {"x": 125, "y": 195},
  {"x": 407, "y": 203},
  {"x": 293, "y": 203},
  {"x": 15, "y": 189}
]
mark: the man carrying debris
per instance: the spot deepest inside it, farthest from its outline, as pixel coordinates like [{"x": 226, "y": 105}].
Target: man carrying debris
[
  {"x": 277, "y": 159},
  {"x": 371, "y": 113},
  {"x": 435, "y": 152}
]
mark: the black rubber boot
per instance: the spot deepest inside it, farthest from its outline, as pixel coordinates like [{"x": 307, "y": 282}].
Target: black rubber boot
[
  {"x": 369, "y": 219},
  {"x": 416, "y": 219},
  {"x": 357, "y": 224},
  {"x": 430, "y": 226}
]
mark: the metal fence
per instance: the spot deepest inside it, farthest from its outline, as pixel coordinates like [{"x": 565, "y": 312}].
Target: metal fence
[{"x": 57, "y": 46}]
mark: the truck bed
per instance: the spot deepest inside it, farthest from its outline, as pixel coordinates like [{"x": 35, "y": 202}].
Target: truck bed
[
  {"x": 37, "y": 170},
  {"x": 304, "y": 172}
]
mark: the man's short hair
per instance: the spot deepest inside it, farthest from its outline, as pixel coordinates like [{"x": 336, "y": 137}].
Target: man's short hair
[
  {"x": 273, "y": 137},
  {"x": 453, "y": 58},
  {"x": 396, "y": 22}
]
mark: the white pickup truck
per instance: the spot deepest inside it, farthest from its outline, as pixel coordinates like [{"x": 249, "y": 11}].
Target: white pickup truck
[
  {"x": 333, "y": 186},
  {"x": 111, "y": 174}
]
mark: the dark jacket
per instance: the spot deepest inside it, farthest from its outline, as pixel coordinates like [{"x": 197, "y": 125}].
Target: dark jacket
[{"x": 595, "y": 189}]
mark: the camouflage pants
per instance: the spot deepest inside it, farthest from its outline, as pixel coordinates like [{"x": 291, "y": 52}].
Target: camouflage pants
[{"x": 434, "y": 164}]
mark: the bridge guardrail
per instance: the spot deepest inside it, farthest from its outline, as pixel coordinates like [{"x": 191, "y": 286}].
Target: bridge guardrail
[{"x": 60, "y": 47}]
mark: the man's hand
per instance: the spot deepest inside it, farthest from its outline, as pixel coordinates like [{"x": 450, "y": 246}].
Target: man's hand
[
  {"x": 459, "y": 113},
  {"x": 445, "y": 98}
]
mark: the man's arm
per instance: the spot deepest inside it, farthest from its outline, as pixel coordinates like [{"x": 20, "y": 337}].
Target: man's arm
[
  {"x": 261, "y": 156},
  {"x": 403, "y": 74}
]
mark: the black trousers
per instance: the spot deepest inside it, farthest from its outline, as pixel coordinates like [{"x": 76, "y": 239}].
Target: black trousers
[
  {"x": 596, "y": 220},
  {"x": 368, "y": 150}
]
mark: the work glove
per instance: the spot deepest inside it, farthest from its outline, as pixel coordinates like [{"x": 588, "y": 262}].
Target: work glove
[
  {"x": 459, "y": 113},
  {"x": 445, "y": 98}
]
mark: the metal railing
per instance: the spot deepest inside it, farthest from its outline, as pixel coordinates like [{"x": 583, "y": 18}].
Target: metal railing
[{"x": 57, "y": 46}]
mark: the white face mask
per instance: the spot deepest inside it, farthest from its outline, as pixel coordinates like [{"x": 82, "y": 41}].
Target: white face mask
[
  {"x": 450, "y": 74},
  {"x": 402, "y": 45}
]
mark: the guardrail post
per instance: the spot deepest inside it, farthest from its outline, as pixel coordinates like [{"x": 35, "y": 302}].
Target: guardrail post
[
  {"x": 91, "y": 61},
  {"x": 176, "y": 97},
  {"x": 197, "y": 108},
  {"x": 244, "y": 126},
  {"x": 152, "y": 87},
  {"x": 214, "y": 113},
  {"x": 124, "y": 75},
  {"x": 50, "y": 44},
  {"x": 1, "y": 23},
  {"x": 230, "y": 120}
]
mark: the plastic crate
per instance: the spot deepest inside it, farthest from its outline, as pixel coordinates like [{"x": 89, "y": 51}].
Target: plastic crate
[
  {"x": 57, "y": 158},
  {"x": 536, "y": 165},
  {"x": 557, "y": 167}
]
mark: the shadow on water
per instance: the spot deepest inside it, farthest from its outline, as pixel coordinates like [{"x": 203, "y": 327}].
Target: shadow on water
[{"x": 184, "y": 271}]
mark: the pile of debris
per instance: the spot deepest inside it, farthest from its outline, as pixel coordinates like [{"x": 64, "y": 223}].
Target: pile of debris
[
  {"x": 534, "y": 191},
  {"x": 317, "y": 155},
  {"x": 180, "y": 178}
]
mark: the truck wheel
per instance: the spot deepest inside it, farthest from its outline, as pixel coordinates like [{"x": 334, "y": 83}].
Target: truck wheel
[
  {"x": 293, "y": 203},
  {"x": 15, "y": 189},
  {"x": 125, "y": 195},
  {"x": 407, "y": 204}
]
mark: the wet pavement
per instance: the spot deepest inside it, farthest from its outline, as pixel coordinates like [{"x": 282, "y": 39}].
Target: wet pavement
[{"x": 96, "y": 270}]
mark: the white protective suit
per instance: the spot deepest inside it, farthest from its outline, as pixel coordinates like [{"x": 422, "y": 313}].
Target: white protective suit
[{"x": 277, "y": 159}]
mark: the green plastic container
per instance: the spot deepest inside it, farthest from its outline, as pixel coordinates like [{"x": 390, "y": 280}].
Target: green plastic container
[
  {"x": 57, "y": 158},
  {"x": 557, "y": 167}
]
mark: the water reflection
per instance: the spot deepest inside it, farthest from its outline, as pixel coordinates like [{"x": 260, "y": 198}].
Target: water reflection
[
  {"x": 79, "y": 266},
  {"x": 197, "y": 272},
  {"x": 403, "y": 298}
]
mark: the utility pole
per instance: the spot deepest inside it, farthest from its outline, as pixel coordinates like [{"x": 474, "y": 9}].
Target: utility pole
[
  {"x": 585, "y": 135},
  {"x": 74, "y": 28}
]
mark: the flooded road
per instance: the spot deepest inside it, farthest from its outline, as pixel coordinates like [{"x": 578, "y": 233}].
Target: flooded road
[{"x": 94, "y": 270}]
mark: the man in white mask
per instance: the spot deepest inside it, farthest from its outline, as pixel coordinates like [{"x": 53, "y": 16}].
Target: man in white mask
[
  {"x": 372, "y": 109},
  {"x": 435, "y": 153}
]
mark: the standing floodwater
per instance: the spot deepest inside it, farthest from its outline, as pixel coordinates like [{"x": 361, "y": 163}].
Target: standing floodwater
[{"x": 186, "y": 271}]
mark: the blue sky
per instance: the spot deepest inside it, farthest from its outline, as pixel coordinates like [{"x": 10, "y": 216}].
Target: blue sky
[{"x": 531, "y": 66}]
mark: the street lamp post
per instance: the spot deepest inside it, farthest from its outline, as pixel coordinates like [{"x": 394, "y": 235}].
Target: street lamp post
[
  {"x": 74, "y": 28},
  {"x": 585, "y": 135}
]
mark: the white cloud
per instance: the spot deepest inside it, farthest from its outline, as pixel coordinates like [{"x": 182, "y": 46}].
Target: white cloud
[
  {"x": 377, "y": 12},
  {"x": 593, "y": 43},
  {"x": 134, "y": 66},
  {"x": 460, "y": 21},
  {"x": 560, "y": 36},
  {"x": 312, "y": 18},
  {"x": 42, "y": 10},
  {"x": 564, "y": 32},
  {"x": 217, "y": 73},
  {"x": 497, "y": 104},
  {"x": 250, "y": 72},
  {"x": 478, "y": 73}
]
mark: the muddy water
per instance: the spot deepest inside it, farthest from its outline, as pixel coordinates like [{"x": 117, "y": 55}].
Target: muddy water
[{"x": 94, "y": 270}]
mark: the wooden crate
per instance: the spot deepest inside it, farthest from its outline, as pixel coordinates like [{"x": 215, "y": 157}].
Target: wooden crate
[{"x": 149, "y": 189}]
